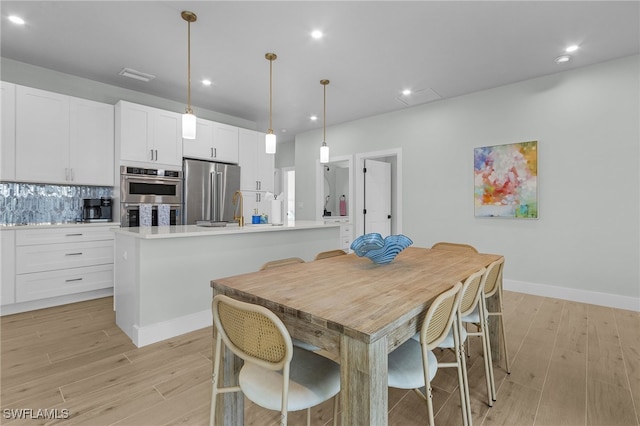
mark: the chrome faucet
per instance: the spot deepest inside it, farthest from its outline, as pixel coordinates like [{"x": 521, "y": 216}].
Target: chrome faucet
[{"x": 234, "y": 200}]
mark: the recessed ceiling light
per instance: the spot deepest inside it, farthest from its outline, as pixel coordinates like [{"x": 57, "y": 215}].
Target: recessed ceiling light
[
  {"x": 313, "y": 118},
  {"x": 16, "y": 20},
  {"x": 406, "y": 92},
  {"x": 562, "y": 59},
  {"x": 206, "y": 82},
  {"x": 572, "y": 48},
  {"x": 316, "y": 34}
]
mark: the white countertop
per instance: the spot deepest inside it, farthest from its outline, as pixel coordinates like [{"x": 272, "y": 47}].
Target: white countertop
[
  {"x": 56, "y": 225},
  {"x": 180, "y": 231}
]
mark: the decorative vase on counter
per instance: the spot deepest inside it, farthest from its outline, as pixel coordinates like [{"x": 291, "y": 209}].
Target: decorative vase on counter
[{"x": 380, "y": 250}]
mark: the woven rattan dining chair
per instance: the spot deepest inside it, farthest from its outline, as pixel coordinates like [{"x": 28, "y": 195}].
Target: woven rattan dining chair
[
  {"x": 275, "y": 375},
  {"x": 472, "y": 300},
  {"x": 443, "y": 245},
  {"x": 282, "y": 262},
  {"x": 492, "y": 286},
  {"x": 330, "y": 253},
  {"x": 413, "y": 365}
]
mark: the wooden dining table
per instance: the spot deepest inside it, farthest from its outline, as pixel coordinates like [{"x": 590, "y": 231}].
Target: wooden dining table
[{"x": 356, "y": 310}]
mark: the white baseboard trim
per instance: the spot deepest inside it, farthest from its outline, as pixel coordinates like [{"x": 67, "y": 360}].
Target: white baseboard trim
[
  {"x": 143, "y": 336},
  {"x": 50, "y": 302},
  {"x": 574, "y": 295}
]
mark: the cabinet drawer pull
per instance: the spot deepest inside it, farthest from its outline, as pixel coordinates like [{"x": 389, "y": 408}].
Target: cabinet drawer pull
[
  {"x": 73, "y": 279},
  {"x": 73, "y": 235},
  {"x": 73, "y": 254},
  {"x": 215, "y": 152}
]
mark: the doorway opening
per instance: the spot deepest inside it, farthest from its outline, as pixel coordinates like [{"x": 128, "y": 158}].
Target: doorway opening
[{"x": 393, "y": 158}]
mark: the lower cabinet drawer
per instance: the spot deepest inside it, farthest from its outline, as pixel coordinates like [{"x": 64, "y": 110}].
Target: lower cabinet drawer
[
  {"x": 41, "y": 285},
  {"x": 50, "y": 257}
]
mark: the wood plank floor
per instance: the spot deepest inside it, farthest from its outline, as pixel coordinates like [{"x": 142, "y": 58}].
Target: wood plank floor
[{"x": 572, "y": 364}]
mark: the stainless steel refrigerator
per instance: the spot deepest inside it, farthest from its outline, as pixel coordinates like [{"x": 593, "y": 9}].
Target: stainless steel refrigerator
[{"x": 208, "y": 191}]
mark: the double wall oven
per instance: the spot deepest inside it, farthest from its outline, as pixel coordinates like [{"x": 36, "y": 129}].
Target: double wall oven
[{"x": 155, "y": 187}]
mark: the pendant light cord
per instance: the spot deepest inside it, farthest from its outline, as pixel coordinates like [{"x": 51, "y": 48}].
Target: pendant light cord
[
  {"x": 270, "y": 92},
  {"x": 189, "y": 110},
  {"x": 324, "y": 122}
]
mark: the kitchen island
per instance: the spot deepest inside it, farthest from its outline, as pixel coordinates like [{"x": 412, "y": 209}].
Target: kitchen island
[{"x": 163, "y": 274}]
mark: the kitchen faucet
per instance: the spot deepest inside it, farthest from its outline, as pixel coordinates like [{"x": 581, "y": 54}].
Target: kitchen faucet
[{"x": 234, "y": 200}]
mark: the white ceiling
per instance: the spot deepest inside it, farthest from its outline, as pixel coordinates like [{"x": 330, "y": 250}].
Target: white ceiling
[{"x": 371, "y": 49}]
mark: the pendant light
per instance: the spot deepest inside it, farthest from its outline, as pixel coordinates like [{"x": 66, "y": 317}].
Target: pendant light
[
  {"x": 324, "y": 149},
  {"x": 188, "y": 118},
  {"x": 270, "y": 138}
]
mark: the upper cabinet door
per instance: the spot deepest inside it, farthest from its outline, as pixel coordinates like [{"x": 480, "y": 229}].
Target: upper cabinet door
[
  {"x": 148, "y": 135},
  {"x": 167, "y": 140},
  {"x": 248, "y": 160},
  {"x": 136, "y": 129},
  {"x": 8, "y": 148},
  {"x": 42, "y": 136},
  {"x": 225, "y": 143},
  {"x": 202, "y": 146},
  {"x": 91, "y": 142}
]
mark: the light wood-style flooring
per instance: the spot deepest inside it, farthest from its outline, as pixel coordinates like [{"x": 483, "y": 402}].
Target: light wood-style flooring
[{"x": 572, "y": 364}]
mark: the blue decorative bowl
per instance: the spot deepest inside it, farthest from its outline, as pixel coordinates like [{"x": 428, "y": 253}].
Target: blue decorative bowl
[{"x": 380, "y": 250}]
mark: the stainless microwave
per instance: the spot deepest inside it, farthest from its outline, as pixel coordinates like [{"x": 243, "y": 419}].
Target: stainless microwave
[{"x": 150, "y": 186}]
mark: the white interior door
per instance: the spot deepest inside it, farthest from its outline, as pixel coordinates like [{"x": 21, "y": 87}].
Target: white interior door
[{"x": 377, "y": 197}]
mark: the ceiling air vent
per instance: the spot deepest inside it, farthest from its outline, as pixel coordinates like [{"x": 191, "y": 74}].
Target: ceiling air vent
[
  {"x": 418, "y": 97},
  {"x": 131, "y": 73}
]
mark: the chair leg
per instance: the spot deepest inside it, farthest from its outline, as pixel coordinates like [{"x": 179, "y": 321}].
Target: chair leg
[
  {"x": 463, "y": 382},
  {"x": 429, "y": 400},
  {"x": 504, "y": 344},
  {"x": 488, "y": 362}
]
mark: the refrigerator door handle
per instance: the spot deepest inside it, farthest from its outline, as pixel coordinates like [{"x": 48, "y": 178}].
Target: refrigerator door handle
[{"x": 215, "y": 195}]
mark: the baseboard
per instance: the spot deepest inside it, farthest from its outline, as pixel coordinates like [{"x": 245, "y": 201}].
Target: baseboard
[
  {"x": 32, "y": 305},
  {"x": 143, "y": 336},
  {"x": 575, "y": 295}
]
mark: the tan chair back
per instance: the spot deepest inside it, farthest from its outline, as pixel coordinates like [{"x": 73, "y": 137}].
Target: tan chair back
[
  {"x": 330, "y": 253},
  {"x": 281, "y": 262},
  {"x": 494, "y": 277},
  {"x": 471, "y": 291},
  {"x": 443, "y": 245},
  {"x": 252, "y": 332},
  {"x": 440, "y": 316}
]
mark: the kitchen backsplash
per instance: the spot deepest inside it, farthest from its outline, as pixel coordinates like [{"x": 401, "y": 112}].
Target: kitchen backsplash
[{"x": 27, "y": 203}]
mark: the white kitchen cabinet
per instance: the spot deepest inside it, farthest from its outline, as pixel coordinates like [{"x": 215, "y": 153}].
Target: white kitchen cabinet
[
  {"x": 257, "y": 166},
  {"x": 214, "y": 142},
  {"x": 62, "y": 139},
  {"x": 8, "y": 268},
  {"x": 42, "y": 136},
  {"x": 56, "y": 262},
  {"x": 91, "y": 142},
  {"x": 346, "y": 230},
  {"x": 8, "y": 147},
  {"x": 148, "y": 135},
  {"x": 252, "y": 201}
]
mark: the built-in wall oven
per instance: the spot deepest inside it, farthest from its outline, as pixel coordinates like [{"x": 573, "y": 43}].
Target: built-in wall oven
[{"x": 157, "y": 188}]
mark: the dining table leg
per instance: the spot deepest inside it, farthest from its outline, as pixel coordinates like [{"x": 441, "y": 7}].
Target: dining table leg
[{"x": 363, "y": 380}]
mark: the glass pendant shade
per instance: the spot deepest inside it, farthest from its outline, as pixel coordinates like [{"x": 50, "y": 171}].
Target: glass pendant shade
[
  {"x": 324, "y": 153},
  {"x": 270, "y": 143},
  {"x": 188, "y": 126}
]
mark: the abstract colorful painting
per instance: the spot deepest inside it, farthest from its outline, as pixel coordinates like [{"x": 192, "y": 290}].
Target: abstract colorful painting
[{"x": 506, "y": 180}]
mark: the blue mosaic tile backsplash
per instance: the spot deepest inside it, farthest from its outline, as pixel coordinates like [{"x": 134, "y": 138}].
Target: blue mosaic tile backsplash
[{"x": 27, "y": 203}]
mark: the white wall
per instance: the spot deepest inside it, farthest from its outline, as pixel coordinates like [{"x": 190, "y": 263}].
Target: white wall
[{"x": 586, "y": 243}]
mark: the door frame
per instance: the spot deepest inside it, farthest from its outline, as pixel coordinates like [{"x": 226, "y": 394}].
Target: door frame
[{"x": 393, "y": 156}]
